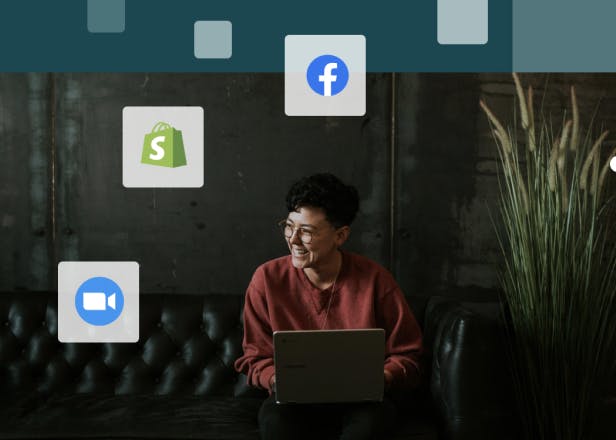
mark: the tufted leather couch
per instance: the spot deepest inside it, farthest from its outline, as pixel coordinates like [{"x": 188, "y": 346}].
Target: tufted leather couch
[{"x": 178, "y": 381}]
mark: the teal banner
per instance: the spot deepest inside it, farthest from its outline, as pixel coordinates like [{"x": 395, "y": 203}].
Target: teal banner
[{"x": 243, "y": 36}]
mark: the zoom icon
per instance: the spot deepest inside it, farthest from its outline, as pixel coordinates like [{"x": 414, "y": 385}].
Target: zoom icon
[
  {"x": 99, "y": 301},
  {"x": 327, "y": 75}
]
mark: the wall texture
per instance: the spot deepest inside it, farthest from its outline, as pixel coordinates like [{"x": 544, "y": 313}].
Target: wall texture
[{"x": 422, "y": 158}]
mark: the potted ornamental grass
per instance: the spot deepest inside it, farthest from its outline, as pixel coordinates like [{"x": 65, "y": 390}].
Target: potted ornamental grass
[{"x": 556, "y": 232}]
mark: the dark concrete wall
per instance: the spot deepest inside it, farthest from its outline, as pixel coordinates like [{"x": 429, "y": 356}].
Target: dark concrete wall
[
  {"x": 422, "y": 159},
  {"x": 26, "y": 257}
]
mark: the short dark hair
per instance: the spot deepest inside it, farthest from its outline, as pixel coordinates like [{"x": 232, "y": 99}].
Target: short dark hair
[{"x": 339, "y": 201}]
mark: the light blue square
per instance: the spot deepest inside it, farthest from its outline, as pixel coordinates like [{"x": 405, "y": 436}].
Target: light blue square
[
  {"x": 106, "y": 16},
  {"x": 213, "y": 39},
  {"x": 462, "y": 21}
]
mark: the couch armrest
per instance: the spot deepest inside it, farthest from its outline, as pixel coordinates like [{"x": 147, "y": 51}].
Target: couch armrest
[{"x": 470, "y": 382}]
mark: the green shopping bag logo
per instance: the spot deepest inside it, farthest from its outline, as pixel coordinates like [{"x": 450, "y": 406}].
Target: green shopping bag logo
[{"x": 164, "y": 147}]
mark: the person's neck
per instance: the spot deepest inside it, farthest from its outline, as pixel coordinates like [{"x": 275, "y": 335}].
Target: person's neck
[{"x": 325, "y": 276}]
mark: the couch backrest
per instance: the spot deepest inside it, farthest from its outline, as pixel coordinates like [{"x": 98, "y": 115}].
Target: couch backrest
[{"x": 187, "y": 345}]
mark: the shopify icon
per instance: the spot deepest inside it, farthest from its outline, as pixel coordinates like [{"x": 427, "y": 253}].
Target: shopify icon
[
  {"x": 160, "y": 151},
  {"x": 164, "y": 146}
]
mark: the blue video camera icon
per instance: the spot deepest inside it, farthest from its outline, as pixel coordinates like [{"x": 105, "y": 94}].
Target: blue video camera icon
[{"x": 99, "y": 301}]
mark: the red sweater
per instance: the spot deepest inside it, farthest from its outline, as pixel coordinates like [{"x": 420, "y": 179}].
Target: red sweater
[{"x": 280, "y": 297}]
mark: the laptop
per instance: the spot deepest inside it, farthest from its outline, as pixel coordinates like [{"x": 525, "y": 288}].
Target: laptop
[{"x": 329, "y": 366}]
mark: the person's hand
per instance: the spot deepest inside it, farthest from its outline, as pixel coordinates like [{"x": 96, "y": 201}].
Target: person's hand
[
  {"x": 389, "y": 379},
  {"x": 272, "y": 382}
]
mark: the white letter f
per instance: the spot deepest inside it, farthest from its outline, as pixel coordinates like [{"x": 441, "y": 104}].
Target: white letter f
[{"x": 327, "y": 78}]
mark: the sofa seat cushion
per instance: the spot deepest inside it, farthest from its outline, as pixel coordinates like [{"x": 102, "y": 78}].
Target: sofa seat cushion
[
  {"x": 132, "y": 417},
  {"x": 157, "y": 417}
]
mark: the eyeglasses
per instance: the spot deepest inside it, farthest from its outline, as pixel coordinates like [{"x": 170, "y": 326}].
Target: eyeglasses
[{"x": 304, "y": 234}]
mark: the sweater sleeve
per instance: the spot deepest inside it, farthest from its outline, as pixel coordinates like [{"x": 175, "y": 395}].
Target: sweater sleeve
[
  {"x": 257, "y": 362},
  {"x": 403, "y": 340}
]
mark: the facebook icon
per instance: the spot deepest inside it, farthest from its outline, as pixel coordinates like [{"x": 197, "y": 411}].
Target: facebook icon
[{"x": 327, "y": 75}]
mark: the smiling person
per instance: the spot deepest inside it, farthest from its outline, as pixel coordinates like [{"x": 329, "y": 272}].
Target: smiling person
[{"x": 320, "y": 286}]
